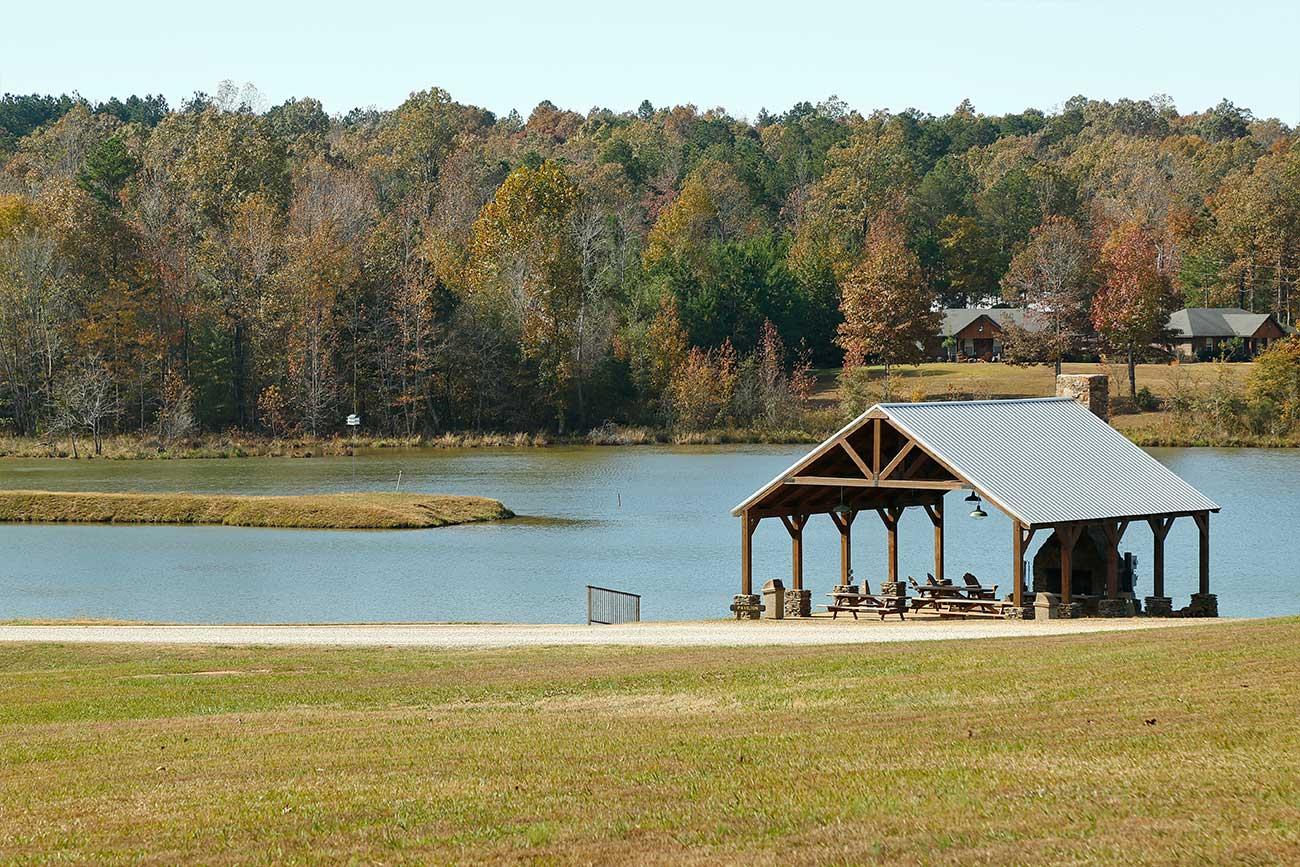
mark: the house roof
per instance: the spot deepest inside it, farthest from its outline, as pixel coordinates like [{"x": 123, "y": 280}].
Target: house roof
[
  {"x": 1042, "y": 460},
  {"x": 957, "y": 318},
  {"x": 1216, "y": 322}
]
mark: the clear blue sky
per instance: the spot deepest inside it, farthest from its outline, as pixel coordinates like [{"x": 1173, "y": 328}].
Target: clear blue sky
[{"x": 1004, "y": 55}]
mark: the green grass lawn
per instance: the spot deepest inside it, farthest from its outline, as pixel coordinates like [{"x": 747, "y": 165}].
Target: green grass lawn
[{"x": 1168, "y": 746}]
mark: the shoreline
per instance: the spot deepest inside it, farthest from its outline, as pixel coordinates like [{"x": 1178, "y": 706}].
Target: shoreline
[
  {"x": 721, "y": 633},
  {"x": 224, "y": 447}
]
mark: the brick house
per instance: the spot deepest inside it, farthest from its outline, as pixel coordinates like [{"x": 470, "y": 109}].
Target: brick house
[
  {"x": 976, "y": 332},
  {"x": 1206, "y": 328}
]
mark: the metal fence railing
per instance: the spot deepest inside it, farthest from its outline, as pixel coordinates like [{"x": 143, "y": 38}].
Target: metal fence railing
[{"x": 607, "y": 606}]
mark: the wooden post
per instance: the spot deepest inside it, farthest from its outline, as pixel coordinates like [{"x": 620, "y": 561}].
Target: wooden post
[
  {"x": 747, "y": 526},
  {"x": 1021, "y": 537},
  {"x": 1159, "y": 530},
  {"x": 1067, "y": 536},
  {"x": 1114, "y": 531},
  {"x": 890, "y": 518},
  {"x": 794, "y": 525},
  {"x": 936, "y": 517},
  {"x": 845, "y": 525},
  {"x": 1203, "y": 524}
]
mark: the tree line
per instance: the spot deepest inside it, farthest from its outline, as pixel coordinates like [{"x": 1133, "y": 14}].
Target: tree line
[{"x": 436, "y": 267}]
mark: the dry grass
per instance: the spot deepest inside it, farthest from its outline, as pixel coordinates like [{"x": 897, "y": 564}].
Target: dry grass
[
  {"x": 944, "y": 381},
  {"x": 1164, "y": 747},
  {"x": 246, "y": 445},
  {"x": 374, "y": 511}
]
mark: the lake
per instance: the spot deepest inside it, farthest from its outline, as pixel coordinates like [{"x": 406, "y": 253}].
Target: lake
[{"x": 651, "y": 520}]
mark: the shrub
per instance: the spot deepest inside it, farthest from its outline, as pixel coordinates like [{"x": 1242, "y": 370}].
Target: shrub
[
  {"x": 1275, "y": 379},
  {"x": 858, "y": 393}
]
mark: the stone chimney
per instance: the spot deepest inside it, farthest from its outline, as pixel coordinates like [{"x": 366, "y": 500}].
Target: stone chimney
[{"x": 1090, "y": 389}]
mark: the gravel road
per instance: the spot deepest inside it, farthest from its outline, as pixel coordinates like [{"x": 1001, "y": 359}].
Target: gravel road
[{"x": 491, "y": 635}]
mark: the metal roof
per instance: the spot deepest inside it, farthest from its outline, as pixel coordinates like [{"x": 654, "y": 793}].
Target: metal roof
[
  {"x": 1216, "y": 322},
  {"x": 1040, "y": 460}
]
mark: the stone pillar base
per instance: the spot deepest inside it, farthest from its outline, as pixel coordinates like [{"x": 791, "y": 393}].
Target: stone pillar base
[
  {"x": 1046, "y": 605},
  {"x": 1203, "y": 605},
  {"x": 1072, "y": 611},
  {"x": 845, "y": 588},
  {"x": 798, "y": 603},
  {"x": 746, "y": 606},
  {"x": 1114, "y": 607},
  {"x": 1024, "y": 612},
  {"x": 1158, "y": 606}
]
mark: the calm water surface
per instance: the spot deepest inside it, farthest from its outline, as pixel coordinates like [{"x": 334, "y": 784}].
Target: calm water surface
[{"x": 655, "y": 521}]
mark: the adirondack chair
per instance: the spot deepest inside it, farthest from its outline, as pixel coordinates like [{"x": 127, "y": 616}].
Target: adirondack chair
[{"x": 976, "y": 590}]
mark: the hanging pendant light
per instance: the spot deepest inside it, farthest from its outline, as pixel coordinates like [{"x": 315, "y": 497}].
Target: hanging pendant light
[
  {"x": 842, "y": 509},
  {"x": 977, "y": 512}
]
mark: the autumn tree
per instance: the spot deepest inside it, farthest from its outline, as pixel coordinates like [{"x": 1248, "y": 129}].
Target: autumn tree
[
  {"x": 1051, "y": 276},
  {"x": 889, "y": 312},
  {"x": 1135, "y": 298},
  {"x": 527, "y": 259},
  {"x": 1274, "y": 380}
]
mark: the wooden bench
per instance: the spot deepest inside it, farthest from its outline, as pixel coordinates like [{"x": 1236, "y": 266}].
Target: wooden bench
[
  {"x": 882, "y": 610},
  {"x": 865, "y": 603},
  {"x": 959, "y": 607}
]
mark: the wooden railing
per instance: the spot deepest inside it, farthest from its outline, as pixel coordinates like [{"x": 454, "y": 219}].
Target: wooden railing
[{"x": 608, "y": 607}]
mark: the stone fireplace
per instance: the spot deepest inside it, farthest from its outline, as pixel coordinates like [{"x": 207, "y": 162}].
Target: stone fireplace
[{"x": 1087, "y": 569}]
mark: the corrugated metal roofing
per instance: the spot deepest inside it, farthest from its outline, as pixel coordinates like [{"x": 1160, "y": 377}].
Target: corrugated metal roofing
[
  {"x": 1046, "y": 460},
  {"x": 1041, "y": 460}
]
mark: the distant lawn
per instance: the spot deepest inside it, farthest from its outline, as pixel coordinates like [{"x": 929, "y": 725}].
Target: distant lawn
[
  {"x": 937, "y": 381},
  {"x": 372, "y": 511},
  {"x": 1168, "y": 746}
]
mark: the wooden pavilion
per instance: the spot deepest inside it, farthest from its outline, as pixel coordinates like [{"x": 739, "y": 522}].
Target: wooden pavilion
[{"x": 1049, "y": 464}]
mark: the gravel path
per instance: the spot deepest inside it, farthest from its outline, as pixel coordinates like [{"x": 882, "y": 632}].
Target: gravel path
[{"x": 661, "y": 634}]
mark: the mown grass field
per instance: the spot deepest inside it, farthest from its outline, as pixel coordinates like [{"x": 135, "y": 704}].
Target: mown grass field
[
  {"x": 1163, "y": 747},
  {"x": 371, "y": 511},
  {"x": 939, "y": 381}
]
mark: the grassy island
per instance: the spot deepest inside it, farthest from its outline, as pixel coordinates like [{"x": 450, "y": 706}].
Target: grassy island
[{"x": 370, "y": 511}]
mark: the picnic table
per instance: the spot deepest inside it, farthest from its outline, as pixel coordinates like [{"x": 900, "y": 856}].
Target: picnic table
[
  {"x": 854, "y": 602},
  {"x": 960, "y": 600}
]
